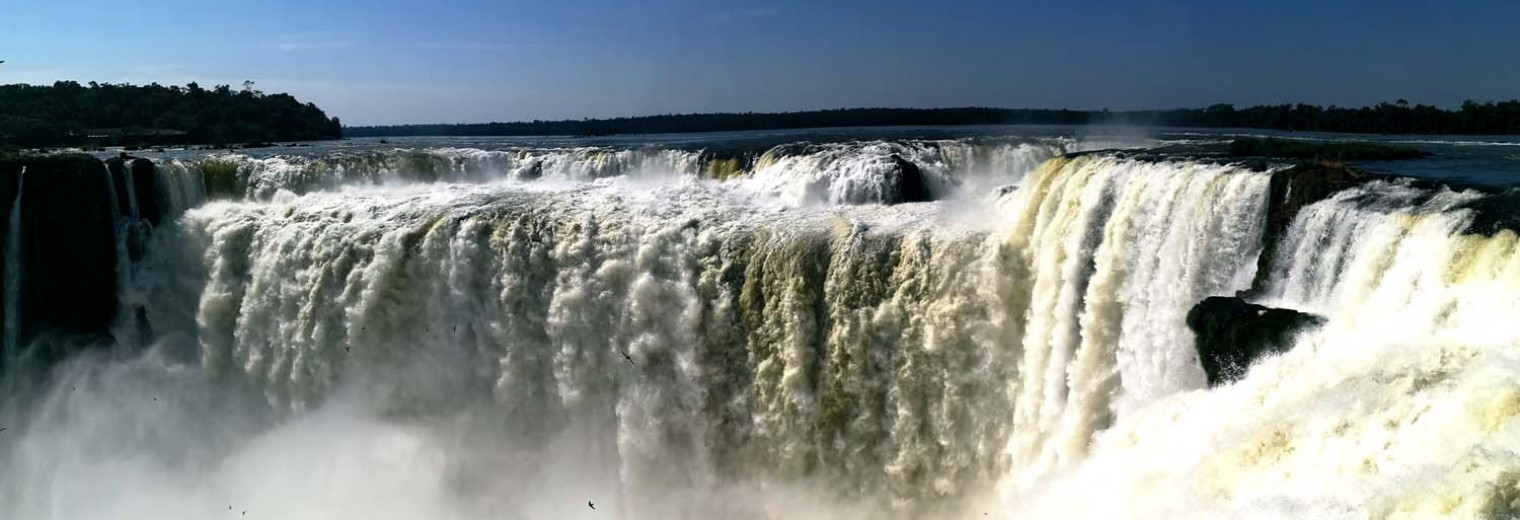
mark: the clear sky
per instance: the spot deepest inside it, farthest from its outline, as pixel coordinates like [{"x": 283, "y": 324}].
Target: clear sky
[{"x": 403, "y": 61}]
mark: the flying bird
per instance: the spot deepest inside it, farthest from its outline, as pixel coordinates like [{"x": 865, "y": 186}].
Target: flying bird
[
  {"x": 627, "y": 357},
  {"x": 591, "y": 505}
]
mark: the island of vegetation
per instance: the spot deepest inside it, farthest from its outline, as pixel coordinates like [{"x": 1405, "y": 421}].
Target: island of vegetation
[
  {"x": 1387, "y": 118},
  {"x": 102, "y": 114}
]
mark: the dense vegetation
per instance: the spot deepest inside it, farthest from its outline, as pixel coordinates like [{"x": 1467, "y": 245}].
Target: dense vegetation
[
  {"x": 1294, "y": 149},
  {"x": 1386, "y": 118},
  {"x": 70, "y": 114}
]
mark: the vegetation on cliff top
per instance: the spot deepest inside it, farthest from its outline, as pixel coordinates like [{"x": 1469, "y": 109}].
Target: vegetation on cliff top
[
  {"x": 69, "y": 114},
  {"x": 1386, "y": 118}
]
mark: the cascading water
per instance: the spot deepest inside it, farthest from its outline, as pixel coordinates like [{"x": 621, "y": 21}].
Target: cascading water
[
  {"x": 452, "y": 333},
  {"x": 857, "y": 173},
  {"x": 13, "y": 274},
  {"x": 1403, "y": 405},
  {"x": 122, "y": 223},
  {"x": 250, "y": 178},
  {"x": 843, "y": 173},
  {"x": 1115, "y": 253}
]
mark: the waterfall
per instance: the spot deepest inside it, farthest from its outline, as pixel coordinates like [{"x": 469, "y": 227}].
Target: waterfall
[
  {"x": 124, "y": 329},
  {"x": 1403, "y": 405},
  {"x": 869, "y": 351},
  {"x": 13, "y": 273},
  {"x": 240, "y": 176},
  {"x": 864, "y": 172},
  {"x": 841, "y": 173},
  {"x": 461, "y": 333},
  {"x": 181, "y": 184},
  {"x": 1114, "y": 253}
]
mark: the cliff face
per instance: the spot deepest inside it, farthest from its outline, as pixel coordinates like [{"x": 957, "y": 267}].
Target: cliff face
[{"x": 79, "y": 222}]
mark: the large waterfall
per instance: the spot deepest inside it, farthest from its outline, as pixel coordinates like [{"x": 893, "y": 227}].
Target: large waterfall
[{"x": 669, "y": 333}]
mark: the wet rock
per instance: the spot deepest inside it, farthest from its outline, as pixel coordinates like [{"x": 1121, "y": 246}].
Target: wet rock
[
  {"x": 146, "y": 189},
  {"x": 1233, "y": 333},
  {"x": 911, "y": 185},
  {"x": 10, "y": 171},
  {"x": 68, "y": 247}
]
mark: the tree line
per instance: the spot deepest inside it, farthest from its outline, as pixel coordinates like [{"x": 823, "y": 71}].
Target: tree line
[
  {"x": 1385, "y": 118},
  {"x": 67, "y": 113}
]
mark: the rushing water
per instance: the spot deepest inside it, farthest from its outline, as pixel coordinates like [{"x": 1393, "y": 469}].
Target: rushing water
[{"x": 668, "y": 331}]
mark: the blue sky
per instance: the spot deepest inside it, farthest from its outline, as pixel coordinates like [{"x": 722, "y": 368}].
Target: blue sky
[{"x": 402, "y": 61}]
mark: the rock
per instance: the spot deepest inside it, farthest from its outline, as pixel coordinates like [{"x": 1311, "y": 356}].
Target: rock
[
  {"x": 1232, "y": 334},
  {"x": 145, "y": 187},
  {"x": 10, "y": 170},
  {"x": 911, "y": 186},
  {"x": 68, "y": 238}
]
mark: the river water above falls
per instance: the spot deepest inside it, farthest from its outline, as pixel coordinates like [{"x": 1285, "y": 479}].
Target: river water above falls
[{"x": 901, "y": 324}]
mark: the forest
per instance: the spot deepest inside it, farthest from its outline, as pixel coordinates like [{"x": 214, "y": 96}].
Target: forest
[
  {"x": 1386, "y": 118},
  {"x": 97, "y": 114}
]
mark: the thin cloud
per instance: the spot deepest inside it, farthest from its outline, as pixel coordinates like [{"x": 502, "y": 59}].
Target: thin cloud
[
  {"x": 726, "y": 17},
  {"x": 306, "y": 46},
  {"x": 310, "y": 41},
  {"x": 470, "y": 46}
]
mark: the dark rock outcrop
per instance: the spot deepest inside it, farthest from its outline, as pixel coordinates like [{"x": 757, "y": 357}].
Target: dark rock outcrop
[
  {"x": 1292, "y": 189},
  {"x": 69, "y": 243},
  {"x": 10, "y": 173},
  {"x": 146, "y": 189},
  {"x": 1232, "y": 333},
  {"x": 911, "y": 185}
]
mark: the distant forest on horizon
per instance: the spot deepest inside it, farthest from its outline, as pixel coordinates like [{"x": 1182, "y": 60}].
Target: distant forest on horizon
[
  {"x": 68, "y": 113},
  {"x": 1398, "y": 117}
]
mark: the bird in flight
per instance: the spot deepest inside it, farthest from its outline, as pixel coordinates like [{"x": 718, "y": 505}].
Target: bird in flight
[
  {"x": 628, "y": 357},
  {"x": 591, "y": 505}
]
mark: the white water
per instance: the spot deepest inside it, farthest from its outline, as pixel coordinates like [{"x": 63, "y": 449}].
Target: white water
[
  {"x": 1404, "y": 405},
  {"x": 858, "y": 173},
  {"x": 456, "y": 350},
  {"x": 1116, "y": 253},
  {"x": 844, "y": 173}
]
